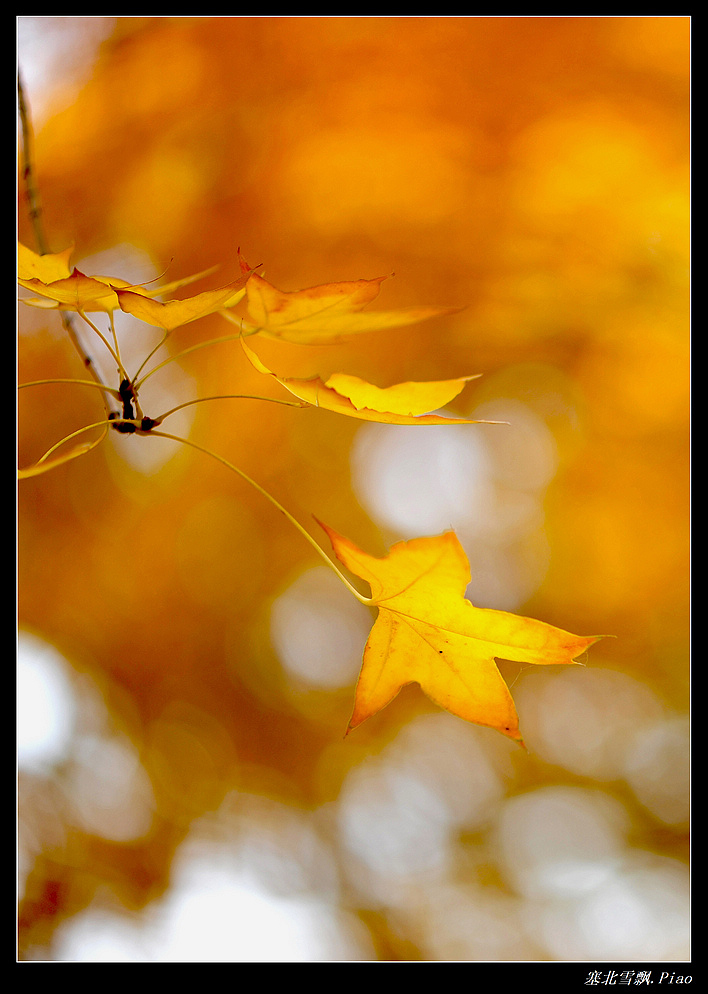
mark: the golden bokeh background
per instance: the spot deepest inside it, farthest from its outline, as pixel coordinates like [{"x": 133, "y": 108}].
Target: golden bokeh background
[{"x": 187, "y": 664}]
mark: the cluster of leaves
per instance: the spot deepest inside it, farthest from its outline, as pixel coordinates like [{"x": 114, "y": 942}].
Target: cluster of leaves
[{"x": 426, "y": 631}]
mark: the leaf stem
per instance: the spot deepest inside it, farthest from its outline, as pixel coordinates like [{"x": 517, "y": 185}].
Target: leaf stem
[
  {"x": 67, "y": 438},
  {"x": 119, "y": 365},
  {"x": 83, "y": 383},
  {"x": 231, "y": 396},
  {"x": 45, "y": 463},
  {"x": 146, "y": 360},
  {"x": 178, "y": 355},
  {"x": 269, "y": 497}
]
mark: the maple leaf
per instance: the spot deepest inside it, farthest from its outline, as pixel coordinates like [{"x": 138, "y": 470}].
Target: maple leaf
[
  {"x": 67, "y": 289},
  {"x": 174, "y": 313},
  {"x": 401, "y": 404},
  {"x": 46, "y": 268},
  {"x": 428, "y": 633},
  {"x": 326, "y": 313},
  {"x": 76, "y": 292}
]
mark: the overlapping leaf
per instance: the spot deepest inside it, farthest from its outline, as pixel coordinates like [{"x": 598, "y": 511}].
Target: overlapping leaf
[
  {"x": 428, "y": 633},
  {"x": 76, "y": 292},
  {"x": 63, "y": 288},
  {"x": 327, "y": 313},
  {"x": 410, "y": 398},
  {"x": 45, "y": 268},
  {"x": 174, "y": 313},
  {"x": 402, "y": 404}
]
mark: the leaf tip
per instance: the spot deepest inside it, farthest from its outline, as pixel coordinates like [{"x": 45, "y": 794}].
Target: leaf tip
[
  {"x": 590, "y": 640},
  {"x": 329, "y": 532}
]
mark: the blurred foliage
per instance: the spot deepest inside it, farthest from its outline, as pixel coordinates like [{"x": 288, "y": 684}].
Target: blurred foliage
[{"x": 534, "y": 173}]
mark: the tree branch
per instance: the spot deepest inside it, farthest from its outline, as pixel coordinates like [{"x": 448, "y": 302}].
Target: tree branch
[{"x": 35, "y": 215}]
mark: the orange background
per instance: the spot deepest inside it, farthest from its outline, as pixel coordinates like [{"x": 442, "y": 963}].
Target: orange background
[{"x": 532, "y": 172}]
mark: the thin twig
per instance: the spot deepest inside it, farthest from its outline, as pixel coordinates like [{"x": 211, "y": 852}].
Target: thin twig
[
  {"x": 35, "y": 209},
  {"x": 35, "y": 215}
]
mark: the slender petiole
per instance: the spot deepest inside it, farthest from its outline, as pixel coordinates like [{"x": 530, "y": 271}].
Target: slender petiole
[
  {"x": 178, "y": 355},
  {"x": 105, "y": 341},
  {"x": 234, "y": 319},
  {"x": 67, "y": 438},
  {"x": 148, "y": 357},
  {"x": 232, "y": 396},
  {"x": 269, "y": 497},
  {"x": 83, "y": 383},
  {"x": 121, "y": 368}
]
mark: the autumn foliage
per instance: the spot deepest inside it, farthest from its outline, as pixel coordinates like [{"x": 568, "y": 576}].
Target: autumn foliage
[
  {"x": 314, "y": 535},
  {"x": 426, "y": 633}
]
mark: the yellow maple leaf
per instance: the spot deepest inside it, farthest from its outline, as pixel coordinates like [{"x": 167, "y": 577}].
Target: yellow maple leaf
[
  {"x": 77, "y": 292},
  {"x": 62, "y": 288},
  {"x": 428, "y": 633},
  {"x": 326, "y": 313},
  {"x": 174, "y": 313},
  {"x": 46, "y": 268},
  {"x": 401, "y": 404},
  {"x": 411, "y": 398}
]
